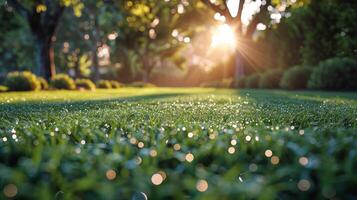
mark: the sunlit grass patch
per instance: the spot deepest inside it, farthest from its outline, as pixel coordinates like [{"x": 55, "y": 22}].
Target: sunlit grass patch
[{"x": 177, "y": 143}]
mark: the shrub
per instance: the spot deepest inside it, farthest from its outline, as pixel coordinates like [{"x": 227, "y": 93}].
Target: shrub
[
  {"x": 270, "y": 79},
  {"x": 3, "y": 88},
  {"x": 63, "y": 82},
  {"x": 209, "y": 84},
  {"x": 240, "y": 83},
  {"x": 116, "y": 84},
  {"x": 225, "y": 83},
  {"x": 86, "y": 84},
  {"x": 104, "y": 84},
  {"x": 22, "y": 81},
  {"x": 335, "y": 74},
  {"x": 43, "y": 83},
  {"x": 141, "y": 84},
  {"x": 252, "y": 81},
  {"x": 296, "y": 78}
]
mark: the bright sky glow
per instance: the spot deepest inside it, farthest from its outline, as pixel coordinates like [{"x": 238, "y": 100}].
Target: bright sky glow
[
  {"x": 233, "y": 6},
  {"x": 223, "y": 36}
]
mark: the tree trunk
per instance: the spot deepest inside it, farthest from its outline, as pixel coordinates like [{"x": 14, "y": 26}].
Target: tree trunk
[
  {"x": 239, "y": 66},
  {"x": 45, "y": 57},
  {"x": 77, "y": 70},
  {"x": 95, "y": 64},
  {"x": 146, "y": 69}
]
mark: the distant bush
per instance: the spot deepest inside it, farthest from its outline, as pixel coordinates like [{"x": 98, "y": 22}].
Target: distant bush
[
  {"x": 296, "y": 78},
  {"x": 209, "y": 84},
  {"x": 3, "y": 88},
  {"x": 116, "y": 84},
  {"x": 252, "y": 81},
  {"x": 104, "y": 84},
  {"x": 63, "y": 82},
  {"x": 43, "y": 82},
  {"x": 86, "y": 84},
  {"x": 225, "y": 83},
  {"x": 22, "y": 81},
  {"x": 270, "y": 79},
  {"x": 240, "y": 83},
  {"x": 335, "y": 74},
  {"x": 141, "y": 84}
]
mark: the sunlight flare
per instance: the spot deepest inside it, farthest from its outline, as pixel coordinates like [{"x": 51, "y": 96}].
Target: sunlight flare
[
  {"x": 224, "y": 36},
  {"x": 233, "y": 7}
]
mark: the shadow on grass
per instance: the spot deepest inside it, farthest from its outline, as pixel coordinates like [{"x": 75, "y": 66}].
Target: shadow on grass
[{"x": 76, "y": 105}]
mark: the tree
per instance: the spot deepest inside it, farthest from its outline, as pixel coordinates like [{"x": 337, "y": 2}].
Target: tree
[
  {"x": 146, "y": 32},
  {"x": 16, "y": 51},
  {"x": 84, "y": 36},
  {"x": 245, "y": 33},
  {"x": 43, "y": 17}
]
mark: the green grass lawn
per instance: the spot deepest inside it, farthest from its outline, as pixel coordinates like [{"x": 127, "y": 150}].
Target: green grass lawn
[{"x": 178, "y": 144}]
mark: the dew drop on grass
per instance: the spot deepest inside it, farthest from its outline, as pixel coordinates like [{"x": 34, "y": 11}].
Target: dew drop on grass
[
  {"x": 303, "y": 161},
  {"x": 253, "y": 167},
  {"x": 189, "y": 157},
  {"x": 157, "y": 179},
  {"x": 233, "y": 142},
  {"x": 231, "y": 150},
  {"x": 268, "y": 153},
  {"x": 110, "y": 174},
  {"x": 202, "y": 185},
  {"x": 304, "y": 185},
  {"x": 301, "y": 132},
  {"x": 139, "y": 196},
  {"x": 10, "y": 190}
]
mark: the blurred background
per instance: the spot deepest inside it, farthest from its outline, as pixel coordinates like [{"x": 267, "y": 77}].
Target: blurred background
[{"x": 291, "y": 44}]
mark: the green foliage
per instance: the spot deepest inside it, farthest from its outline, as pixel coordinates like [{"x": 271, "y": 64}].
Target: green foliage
[
  {"x": 140, "y": 84},
  {"x": 296, "y": 78},
  {"x": 63, "y": 82},
  {"x": 3, "y": 88},
  {"x": 252, "y": 81},
  {"x": 270, "y": 79},
  {"x": 116, "y": 84},
  {"x": 335, "y": 74},
  {"x": 104, "y": 84},
  {"x": 110, "y": 149},
  {"x": 86, "y": 84},
  {"x": 225, "y": 83},
  {"x": 43, "y": 82},
  {"x": 22, "y": 81},
  {"x": 16, "y": 46},
  {"x": 240, "y": 83},
  {"x": 307, "y": 37}
]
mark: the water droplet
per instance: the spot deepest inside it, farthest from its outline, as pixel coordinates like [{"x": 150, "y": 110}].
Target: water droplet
[{"x": 139, "y": 196}]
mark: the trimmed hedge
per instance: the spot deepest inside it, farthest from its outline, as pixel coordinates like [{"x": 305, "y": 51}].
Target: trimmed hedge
[
  {"x": 270, "y": 79},
  {"x": 240, "y": 83},
  {"x": 335, "y": 74},
  {"x": 86, "y": 84},
  {"x": 3, "y": 88},
  {"x": 104, "y": 84},
  {"x": 141, "y": 84},
  {"x": 252, "y": 81},
  {"x": 296, "y": 78},
  {"x": 44, "y": 83},
  {"x": 225, "y": 83},
  {"x": 116, "y": 84},
  {"x": 22, "y": 81},
  {"x": 63, "y": 82}
]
